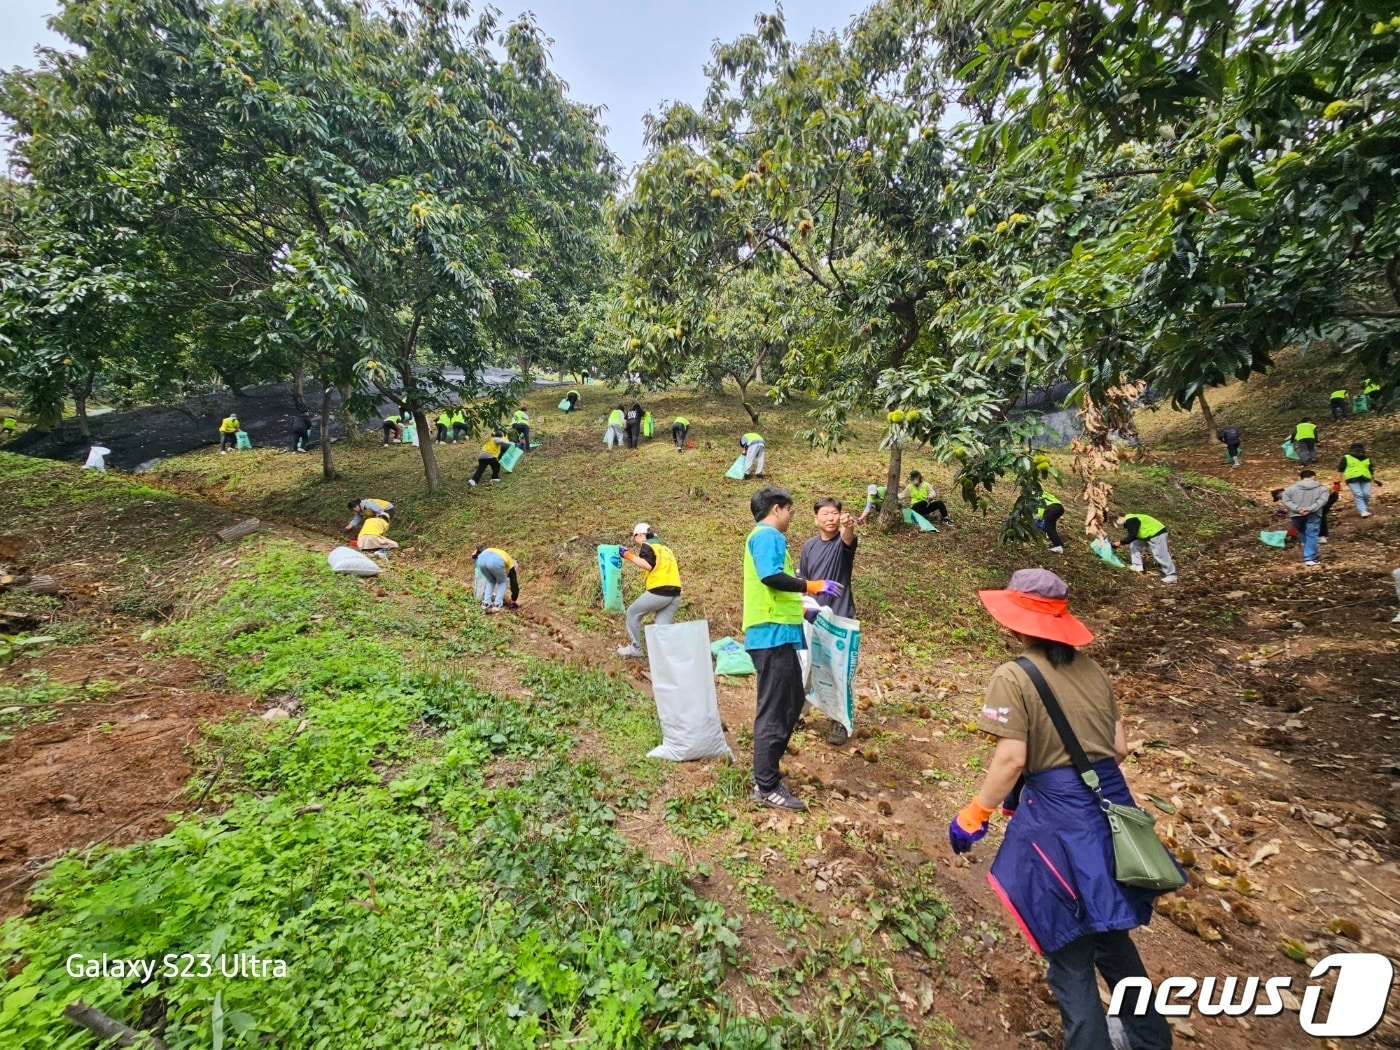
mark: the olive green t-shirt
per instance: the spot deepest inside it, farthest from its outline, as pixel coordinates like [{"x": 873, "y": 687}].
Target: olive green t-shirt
[{"x": 1012, "y": 708}]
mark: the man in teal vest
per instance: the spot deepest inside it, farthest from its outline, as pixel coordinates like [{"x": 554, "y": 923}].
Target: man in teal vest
[
  {"x": 1305, "y": 441},
  {"x": 1143, "y": 532},
  {"x": 773, "y": 636},
  {"x": 1355, "y": 469}
]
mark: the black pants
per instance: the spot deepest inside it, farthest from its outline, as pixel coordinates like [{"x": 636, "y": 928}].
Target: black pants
[
  {"x": 522, "y": 431},
  {"x": 678, "y": 433},
  {"x": 928, "y": 508},
  {"x": 482, "y": 464},
  {"x": 301, "y": 439},
  {"x": 459, "y": 431},
  {"x": 441, "y": 432},
  {"x": 1327, "y": 509},
  {"x": 573, "y": 402},
  {"x": 227, "y": 441},
  {"x": 1232, "y": 451},
  {"x": 1307, "y": 450},
  {"x": 1339, "y": 408},
  {"x": 392, "y": 429},
  {"x": 780, "y": 700},
  {"x": 514, "y": 582},
  {"x": 1053, "y": 513},
  {"x": 634, "y": 434},
  {"x": 1072, "y": 978}
]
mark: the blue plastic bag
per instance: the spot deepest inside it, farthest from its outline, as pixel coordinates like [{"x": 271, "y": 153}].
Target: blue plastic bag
[
  {"x": 913, "y": 517},
  {"x": 244, "y": 443},
  {"x": 1275, "y": 539},
  {"x": 1104, "y": 550},
  {"x": 564, "y": 405},
  {"x": 1289, "y": 451},
  {"x": 610, "y": 570}
]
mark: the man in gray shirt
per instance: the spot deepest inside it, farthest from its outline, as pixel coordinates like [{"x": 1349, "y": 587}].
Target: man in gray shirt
[{"x": 831, "y": 555}]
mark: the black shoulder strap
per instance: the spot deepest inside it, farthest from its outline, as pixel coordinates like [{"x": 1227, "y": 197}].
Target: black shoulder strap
[{"x": 1062, "y": 726}]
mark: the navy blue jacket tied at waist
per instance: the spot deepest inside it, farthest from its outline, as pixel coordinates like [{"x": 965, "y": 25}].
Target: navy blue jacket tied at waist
[{"x": 1054, "y": 871}]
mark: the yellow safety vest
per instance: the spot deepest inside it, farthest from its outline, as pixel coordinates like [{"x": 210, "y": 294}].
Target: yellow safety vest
[
  {"x": 749, "y": 439},
  {"x": 763, "y": 604},
  {"x": 510, "y": 562},
  {"x": 615, "y": 418},
  {"x": 1305, "y": 432},
  {"x": 666, "y": 573},
  {"x": 229, "y": 425},
  {"x": 1046, "y": 502},
  {"x": 520, "y": 417},
  {"x": 918, "y": 493},
  {"x": 1356, "y": 468},
  {"x": 375, "y": 527},
  {"x": 490, "y": 447},
  {"x": 681, "y": 420},
  {"x": 1148, "y": 526},
  {"x": 1339, "y": 394},
  {"x": 1371, "y": 387}
]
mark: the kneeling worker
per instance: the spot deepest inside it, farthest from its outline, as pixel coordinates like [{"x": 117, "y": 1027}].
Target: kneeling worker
[
  {"x": 662, "y": 593},
  {"x": 368, "y": 508}
]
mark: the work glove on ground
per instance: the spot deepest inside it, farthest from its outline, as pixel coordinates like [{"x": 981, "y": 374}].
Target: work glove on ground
[{"x": 968, "y": 827}]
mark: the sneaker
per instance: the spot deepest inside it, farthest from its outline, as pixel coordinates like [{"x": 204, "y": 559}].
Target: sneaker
[
  {"x": 1169, "y": 579},
  {"x": 1135, "y": 568},
  {"x": 1310, "y": 565},
  {"x": 471, "y": 482},
  {"x": 223, "y": 452},
  {"x": 1365, "y": 513},
  {"x": 779, "y": 798},
  {"x": 837, "y": 734},
  {"x": 497, "y": 607},
  {"x": 1057, "y": 550},
  {"x": 494, "y": 480},
  {"x": 488, "y": 610},
  {"x": 1397, "y": 618},
  {"x": 512, "y": 605},
  {"x": 948, "y": 523},
  {"x": 1322, "y": 539},
  {"x": 630, "y": 651}
]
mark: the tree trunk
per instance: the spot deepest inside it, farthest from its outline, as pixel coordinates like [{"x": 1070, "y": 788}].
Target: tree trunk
[
  {"x": 744, "y": 398},
  {"x": 81, "y": 392},
  {"x": 327, "y": 462},
  {"x": 891, "y": 516},
  {"x": 1208, "y": 416},
  {"x": 425, "y": 446},
  {"x": 347, "y": 418},
  {"x": 299, "y": 388}
]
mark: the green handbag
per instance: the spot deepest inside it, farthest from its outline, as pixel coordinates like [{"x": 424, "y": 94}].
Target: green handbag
[{"x": 1139, "y": 858}]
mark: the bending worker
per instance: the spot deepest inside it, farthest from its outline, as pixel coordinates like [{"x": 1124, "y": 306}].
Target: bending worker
[
  {"x": 1048, "y": 511},
  {"x": 679, "y": 429},
  {"x": 662, "y": 587},
  {"x": 613, "y": 435},
  {"x": 489, "y": 456},
  {"x": 228, "y": 433},
  {"x": 369, "y": 508},
  {"x": 1141, "y": 532},
  {"x": 753, "y": 447},
  {"x": 1305, "y": 441},
  {"x": 520, "y": 426},
  {"x": 494, "y": 569}
]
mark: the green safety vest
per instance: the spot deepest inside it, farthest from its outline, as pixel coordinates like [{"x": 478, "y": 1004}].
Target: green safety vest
[
  {"x": 918, "y": 493},
  {"x": 615, "y": 419},
  {"x": 1305, "y": 432},
  {"x": 1356, "y": 468},
  {"x": 880, "y": 494},
  {"x": 1046, "y": 502},
  {"x": 763, "y": 604},
  {"x": 682, "y": 421},
  {"x": 1148, "y": 526},
  {"x": 1336, "y": 394},
  {"x": 11, "y": 423},
  {"x": 750, "y": 438},
  {"x": 520, "y": 416},
  {"x": 1371, "y": 387}
]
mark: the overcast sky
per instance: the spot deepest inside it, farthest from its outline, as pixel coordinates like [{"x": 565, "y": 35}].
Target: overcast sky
[{"x": 627, "y": 55}]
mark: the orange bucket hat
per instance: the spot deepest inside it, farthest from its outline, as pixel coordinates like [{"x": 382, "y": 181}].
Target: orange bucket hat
[{"x": 1036, "y": 603}]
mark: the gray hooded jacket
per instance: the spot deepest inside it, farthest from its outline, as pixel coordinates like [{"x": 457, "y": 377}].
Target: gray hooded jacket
[{"x": 1305, "y": 497}]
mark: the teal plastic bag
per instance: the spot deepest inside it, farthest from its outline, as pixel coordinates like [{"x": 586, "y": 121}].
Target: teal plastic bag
[
  {"x": 1359, "y": 404},
  {"x": 1275, "y": 539},
  {"x": 1289, "y": 451},
  {"x": 737, "y": 470},
  {"x": 564, "y": 405},
  {"x": 731, "y": 658},
  {"x": 913, "y": 517},
  {"x": 610, "y": 570},
  {"x": 243, "y": 442},
  {"x": 1104, "y": 550},
  {"x": 510, "y": 456}
]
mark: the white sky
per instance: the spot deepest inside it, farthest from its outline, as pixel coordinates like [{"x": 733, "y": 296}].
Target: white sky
[{"x": 627, "y": 55}]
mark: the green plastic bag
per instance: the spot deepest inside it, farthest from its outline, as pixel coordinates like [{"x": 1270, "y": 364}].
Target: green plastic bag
[
  {"x": 510, "y": 456},
  {"x": 1275, "y": 539},
  {"x": 244, "y": 443},
  {"x": 564, "y": 405},
  {"x": 1104, "y": 550},
  {"x": 913, "y": 517},
  {"x": 1360, "y": 403},
  {"x": 610, "y": 570},
  {"x": 648, "y": 426},
  {"x": 731, "y": 658},
  {"x": 1289, "y": 451},
  {"x": 737, "y": 470}
]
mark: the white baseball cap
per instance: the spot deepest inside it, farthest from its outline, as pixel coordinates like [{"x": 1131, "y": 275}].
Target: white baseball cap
[{"x": 641, "y": 527}]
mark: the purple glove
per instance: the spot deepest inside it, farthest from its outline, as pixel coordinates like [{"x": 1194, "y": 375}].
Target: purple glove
[
  {"x": 961, "y": 840},
  {"x": 832, "y": 589}
]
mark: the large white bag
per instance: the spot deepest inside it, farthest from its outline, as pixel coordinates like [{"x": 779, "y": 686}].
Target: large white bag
[
  {"x": 97, "y": 459},
  {"x": 835, "y": 645},
  {"x": 683, "y": 681},
  {"x": 349, "y": 560}
]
